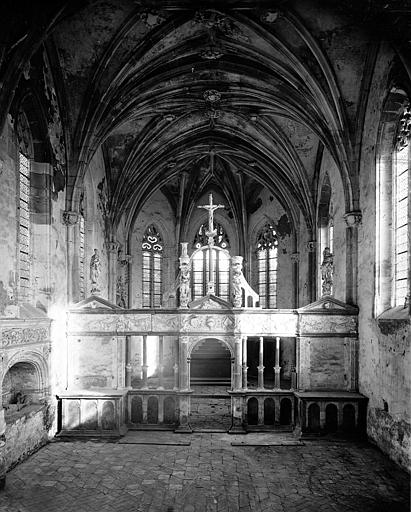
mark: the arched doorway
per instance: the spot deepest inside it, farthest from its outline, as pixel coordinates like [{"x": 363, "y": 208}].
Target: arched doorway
[
  {"x": 210, "y": 363},
  {"x": 210, "y": 378}
]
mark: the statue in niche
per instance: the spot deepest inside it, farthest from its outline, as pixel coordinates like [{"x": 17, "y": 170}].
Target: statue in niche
[
  {"x": 95, "y": 270},
  {"x": 327, "y": 271},
  {"x": 237, "y": 281}
]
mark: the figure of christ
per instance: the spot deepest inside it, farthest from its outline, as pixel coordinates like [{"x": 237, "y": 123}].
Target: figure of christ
[
  {"x": 211, "y": 209},
  {"x": 211, "y": 234}
]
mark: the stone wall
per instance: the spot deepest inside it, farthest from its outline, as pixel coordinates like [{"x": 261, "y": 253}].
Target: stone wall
[
  {"x": 26, "y": 432},
  {"x": 384, "y": 353}
]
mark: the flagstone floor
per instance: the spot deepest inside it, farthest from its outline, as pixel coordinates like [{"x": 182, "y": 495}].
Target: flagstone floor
[{"x": 204, "y": 473}]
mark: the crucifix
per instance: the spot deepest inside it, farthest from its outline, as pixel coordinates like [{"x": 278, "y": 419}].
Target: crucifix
[{"x": 211, "y": 233}]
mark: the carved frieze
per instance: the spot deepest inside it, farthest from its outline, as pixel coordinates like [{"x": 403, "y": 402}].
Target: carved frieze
[
  {"x": 328, "y": 324},
  {"x": 166, "y": 322},
  {"x": 12, "y": 337},
  {"x": 110, "y": 323},
  {"x": 219, "y": 323}
]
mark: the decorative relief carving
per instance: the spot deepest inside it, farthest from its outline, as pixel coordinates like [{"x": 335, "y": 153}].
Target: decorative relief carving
[
  {"x": 220, "y": 323},
  {"x": 166, "y": 323},
  {"x": 151, "y": 18},
  {"x": 69, "y": 218},
  {"x": 331, "y": 324},
  {"x": 269, "y": 16},
  {"x": 112, "y": 323},
  {"x": 311, "y": 246},
  {"x": 215, "y": 21},
  {"x": 13, "y": 337},
  {"x": 353, "y": 219}
]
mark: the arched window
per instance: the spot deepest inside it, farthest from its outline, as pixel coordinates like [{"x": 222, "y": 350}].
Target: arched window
[
  {"x": 267, "y": 244},
  {"x": 152, "y": 251},
  {"x": 401, "y": 164},
  {"x": 201, "y": 264},
  {"x": 24, "y": 227}
]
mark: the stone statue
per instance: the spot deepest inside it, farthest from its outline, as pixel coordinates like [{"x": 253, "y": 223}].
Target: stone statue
[
  {"x": 95, "y": 270},
  {"x": 327, "y": 271},
  {"x": 237, "y": 281},
  {"x": 184, "y": 285}
]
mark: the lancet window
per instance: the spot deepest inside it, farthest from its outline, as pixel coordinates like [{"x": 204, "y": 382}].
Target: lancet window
[
  {"x": 152, "y": 251},
  {"x": 267, "y": 245},
  {"x": 24, "y": 226},
  {"x": 401, "y": 162},
  {"x": 201, "y": 264}
]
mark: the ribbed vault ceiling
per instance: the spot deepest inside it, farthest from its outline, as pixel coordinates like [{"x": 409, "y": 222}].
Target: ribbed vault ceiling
[{"x": 235, "y": 95}]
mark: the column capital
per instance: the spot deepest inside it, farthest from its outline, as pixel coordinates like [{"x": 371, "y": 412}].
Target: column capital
[
  {"x": 69, "y": 218},
  {"x": 353, "y": 219},
  {"x": 112, "y": 246},
  {"x": 312, "y": 245}
]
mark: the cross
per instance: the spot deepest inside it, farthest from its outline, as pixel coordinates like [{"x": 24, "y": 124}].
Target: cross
[{"x": 211, "y": 208}]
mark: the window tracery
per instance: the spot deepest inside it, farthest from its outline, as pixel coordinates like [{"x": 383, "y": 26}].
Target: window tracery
[
  {"x": 401, "y": 163},
  {"x": 201, "y": 263},
  {"x": 24, "y": 227},
  {"x": 152, "y": 252},
  {"x": 267, "y": 246}
]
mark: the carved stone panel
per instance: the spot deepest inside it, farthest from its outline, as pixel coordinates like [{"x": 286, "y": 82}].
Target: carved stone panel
[
  {"x": 12, "y": 337},
  {"x": 110, "y": 323},
  {"x": 163, "y": 323},
  {"x": 207, "y": 323},
  {"x": 328, "y": 324}
]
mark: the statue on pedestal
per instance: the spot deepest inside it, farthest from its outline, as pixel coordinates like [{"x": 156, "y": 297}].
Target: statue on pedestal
[
  {"x": 237, "y": 280},
  {"x": 184, "y": 284},
  {"x": 95, "y": 270},
  {"x": 327, "y": 271}
]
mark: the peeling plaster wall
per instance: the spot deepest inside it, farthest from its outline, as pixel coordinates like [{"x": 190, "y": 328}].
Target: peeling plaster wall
[
  {"x": 384, "y": 353},
  {"x": 156, "y": 211},
  {"x": 8, "y": 208}
]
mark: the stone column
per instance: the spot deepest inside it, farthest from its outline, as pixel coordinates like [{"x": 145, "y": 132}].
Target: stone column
[
  {"x": 237, "y": 363},
  {"x": 128, "y": 366},
  {"x": 245, "y": 367},
  {"x": 176, "y": 367},
  {"x": 353, "y": 220},
  {"x": 184, "y": 367},
  {"x": 277, "y": 367},
  {"x": 295, "y": 258},
  {"x": 160, "y": 362},
  {"x": 70, "y": 219},
  {"x": 144, "y": 366},
  {"x": 112, "y": 250},
  {"x": 312, "y": 270},
  {"x": 260, "y": 367}
]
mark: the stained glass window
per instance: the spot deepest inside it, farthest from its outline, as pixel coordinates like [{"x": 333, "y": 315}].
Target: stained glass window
[
  {"x": 152, "y": 252},
  {"x": 401, "y": 189},
  {"x": 24, "y": 227},
  {"x": 201, "y": 264},
  {"x": 267, "y": 244}
]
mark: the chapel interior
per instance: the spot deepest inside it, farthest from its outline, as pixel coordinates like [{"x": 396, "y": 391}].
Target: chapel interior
[{"x": 205, "y": 203}]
